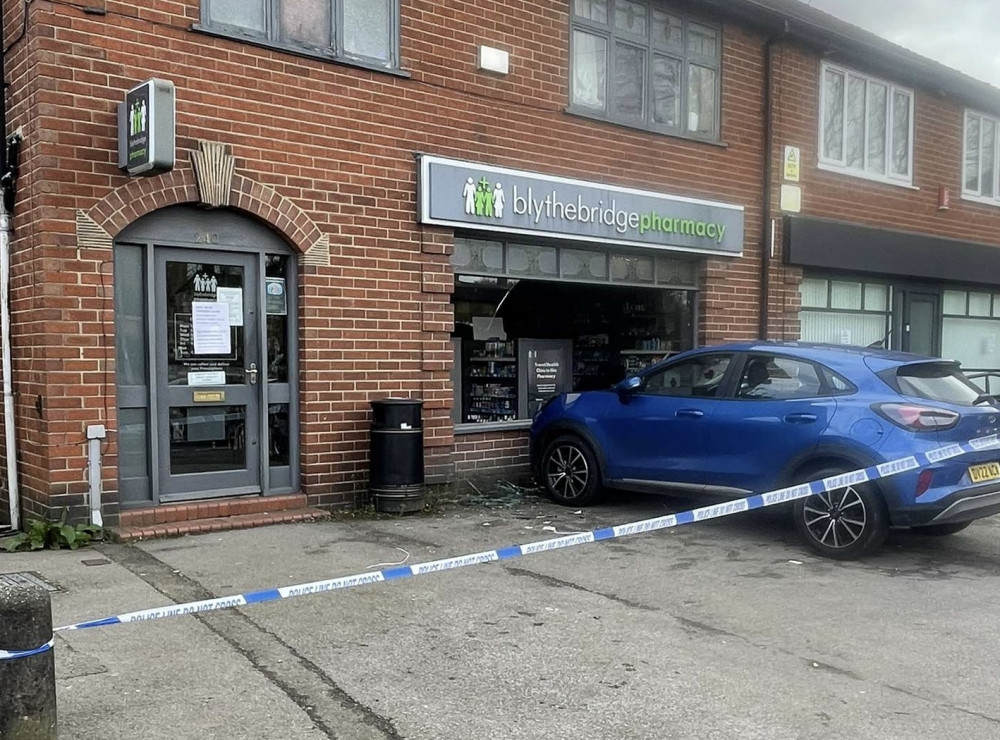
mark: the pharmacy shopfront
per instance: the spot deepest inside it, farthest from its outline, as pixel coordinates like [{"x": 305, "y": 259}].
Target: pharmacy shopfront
[{"x": 564, "y": 284}]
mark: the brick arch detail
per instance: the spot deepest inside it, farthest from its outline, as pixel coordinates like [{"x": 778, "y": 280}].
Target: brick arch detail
[{"x": 141, "y": 196}]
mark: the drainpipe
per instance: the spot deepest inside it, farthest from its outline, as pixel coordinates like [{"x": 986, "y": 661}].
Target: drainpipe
[
  {"x": 767, "y": 226},
  {"x": 7, "y": 178}
]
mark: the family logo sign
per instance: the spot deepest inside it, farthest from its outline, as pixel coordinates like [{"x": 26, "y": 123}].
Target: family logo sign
[{"x": 484, "y": 198}]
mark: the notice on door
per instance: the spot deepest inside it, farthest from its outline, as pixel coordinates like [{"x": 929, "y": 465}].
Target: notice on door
[
  {"x": 232, "y": 297},
  {"x": 210, "y": 326}
]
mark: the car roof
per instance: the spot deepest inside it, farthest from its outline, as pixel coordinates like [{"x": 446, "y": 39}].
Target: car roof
[{"x": 829, "y": 354}]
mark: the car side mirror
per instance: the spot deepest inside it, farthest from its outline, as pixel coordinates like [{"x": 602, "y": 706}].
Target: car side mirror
[{"x": 629, "y": 387}]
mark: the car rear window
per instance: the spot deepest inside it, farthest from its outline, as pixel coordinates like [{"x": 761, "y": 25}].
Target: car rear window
[{"x": 934, "y": 381}]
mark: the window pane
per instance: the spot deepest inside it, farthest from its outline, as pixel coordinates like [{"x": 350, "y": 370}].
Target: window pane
[
  {"x": 876, "y": 297},
  {"x": 856, "y": 90},
  {"x": 133, "y": 455},
  {"x": 979, "y": 304},
  {"x": 590, "y": 63},
  {"x": 676, "y": 272},
  {"x": 972, "y": 155},
  {"x": 774, "y": 378},
  {"x": 955, "y": 302},
  {"x": 814, "y": 293},
  {"x": 630, "y": 72},
  {"x": 846, "y": 295},
  {"x": 666, "y": 91},
  {"x": 630, "y": 17},
  {"x": 584, "y": 265},
  {"x": 702, "y": 41},
  {"x": 701, "y": 100},
  {"x": 989, "y": 158},
  {"x": 631, "y": 269},
  {"x": 878, "y": 103},
  {"x": 833, "y": 115},
  {"x": 858, "y": 329},
  {"x": 594, "y": 10},
  {"x": 366, "y": 29},
  {"x": 900, "y": 134},
  {"x": 525, "y": 260},
  {"x": 668, "y": 31},
  {"x": 307, "y": 22},
  {"x": 701, "y": 376},
  {"x": 248, "y": 14}
]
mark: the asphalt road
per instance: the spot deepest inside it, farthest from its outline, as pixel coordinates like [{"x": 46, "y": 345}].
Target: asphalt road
[{"x": 726, "y": 629}]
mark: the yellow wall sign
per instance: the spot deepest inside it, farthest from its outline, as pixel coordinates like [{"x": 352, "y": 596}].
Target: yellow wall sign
[{"x": 793, "y": 157}]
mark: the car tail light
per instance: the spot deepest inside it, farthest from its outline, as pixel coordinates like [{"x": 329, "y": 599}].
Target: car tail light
[
  {"x": 917, "y": 418},
  {"x": 924, "y": 481}
]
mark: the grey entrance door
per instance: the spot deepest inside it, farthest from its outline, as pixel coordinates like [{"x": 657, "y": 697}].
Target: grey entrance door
[
  {"x": 921, "y": 317},
  {"x": 207, "y": 394}
]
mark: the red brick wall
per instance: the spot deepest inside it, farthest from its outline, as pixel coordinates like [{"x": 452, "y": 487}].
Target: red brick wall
[
  {"x": 937, "y": 161},
  {"x": 339, "y": 142},
  {"x": 492, "y": 454}
]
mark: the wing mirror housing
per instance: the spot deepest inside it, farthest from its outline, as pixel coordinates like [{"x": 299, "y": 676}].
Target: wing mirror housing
[{"x": 628, "y": 388}]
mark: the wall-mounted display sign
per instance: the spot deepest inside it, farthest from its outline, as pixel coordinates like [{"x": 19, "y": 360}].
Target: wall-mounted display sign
[
  {"x": 487, "y": 198},
  {"x": 147, "y": 129}
]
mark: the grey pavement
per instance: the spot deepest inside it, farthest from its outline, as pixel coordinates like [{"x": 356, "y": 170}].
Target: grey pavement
[{"x": 725, "y": 629}]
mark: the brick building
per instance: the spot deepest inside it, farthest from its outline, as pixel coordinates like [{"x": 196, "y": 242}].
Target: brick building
[{"x": 421, "y": 199}]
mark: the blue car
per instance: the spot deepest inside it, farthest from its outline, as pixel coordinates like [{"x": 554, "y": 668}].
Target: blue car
[{"x": 738, "y": 419}]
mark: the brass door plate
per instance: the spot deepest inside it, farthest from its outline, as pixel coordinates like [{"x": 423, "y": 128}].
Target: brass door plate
[{"x": 209, "y": 397}]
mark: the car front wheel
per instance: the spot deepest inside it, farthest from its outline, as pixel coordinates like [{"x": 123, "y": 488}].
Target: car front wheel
[
  {"x": 569, "y": 472},
  {"x": 845, "y": 523}
]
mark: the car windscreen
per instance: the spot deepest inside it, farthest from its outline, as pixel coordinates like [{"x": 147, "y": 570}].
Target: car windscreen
[{"x": 934, "y": 381}]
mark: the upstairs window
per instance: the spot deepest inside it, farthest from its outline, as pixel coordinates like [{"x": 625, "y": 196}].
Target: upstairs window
[
  {"x": 363, "y": 31},
  {"x": 866, "y": 126},
  {"x": 637, "y": 63},
  {"x": 979, "y": 181}
]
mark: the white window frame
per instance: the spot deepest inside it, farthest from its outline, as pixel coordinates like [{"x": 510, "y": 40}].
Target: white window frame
[
  {"x": 834, "y": 165},
  {"x": 976, "y": 195}
]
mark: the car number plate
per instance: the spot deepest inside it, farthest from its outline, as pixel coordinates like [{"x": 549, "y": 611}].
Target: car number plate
[{"x": 985, "y": 472}]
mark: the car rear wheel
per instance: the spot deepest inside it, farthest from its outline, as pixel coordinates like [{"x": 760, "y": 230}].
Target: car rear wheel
[
  {"x": 941, "y": 530},
  {"x": 569, "y": 472},
  {"x": 845, "y": 523}
]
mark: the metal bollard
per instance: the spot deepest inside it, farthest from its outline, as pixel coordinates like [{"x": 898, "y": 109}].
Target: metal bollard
[{"x": 27, "y": 685}]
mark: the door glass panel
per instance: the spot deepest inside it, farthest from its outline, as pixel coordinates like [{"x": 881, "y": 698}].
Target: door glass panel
[
  {"x": 922, "y": 327},
  {"x": 207, "y": 439},
  {"x": 205, "y": 343},
  {"x": 278, "y": 434},
  {"x": 276, "y": 299}
]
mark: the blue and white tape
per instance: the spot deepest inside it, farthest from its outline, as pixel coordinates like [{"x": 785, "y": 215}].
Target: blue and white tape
[
  {"x": 14, "y": 654},
  {"x": 715, "y": 511}
]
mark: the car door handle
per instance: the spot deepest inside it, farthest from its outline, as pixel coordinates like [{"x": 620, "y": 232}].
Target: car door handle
[
  {"x": 801, "y": 418},
  {"x": 691, "y": 413}
]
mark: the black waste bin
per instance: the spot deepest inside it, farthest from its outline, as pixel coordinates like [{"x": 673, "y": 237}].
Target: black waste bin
[{"x": 396, "y": 479}]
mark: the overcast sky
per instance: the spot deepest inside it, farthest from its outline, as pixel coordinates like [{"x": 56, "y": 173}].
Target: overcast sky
[{"x": 960, "y": 33}]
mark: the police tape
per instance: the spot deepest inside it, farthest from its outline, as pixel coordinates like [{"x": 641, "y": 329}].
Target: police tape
[
  {"x": 12, "y": 654},
  {"x": 750, "y": 503}
]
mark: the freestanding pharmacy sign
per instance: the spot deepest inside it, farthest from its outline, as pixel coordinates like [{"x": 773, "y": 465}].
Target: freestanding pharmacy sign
[{"x": 146, "y": 130}]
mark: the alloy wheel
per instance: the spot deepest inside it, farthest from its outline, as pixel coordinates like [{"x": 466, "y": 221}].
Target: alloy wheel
[
  {"x": 567, "y": 472},
  {"x": 836, "y": 519}
]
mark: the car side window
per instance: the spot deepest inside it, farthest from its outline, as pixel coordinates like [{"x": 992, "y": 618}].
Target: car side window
[
  {"x": 699, "y": 376},
  {"x": 777, "y": 378}
]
